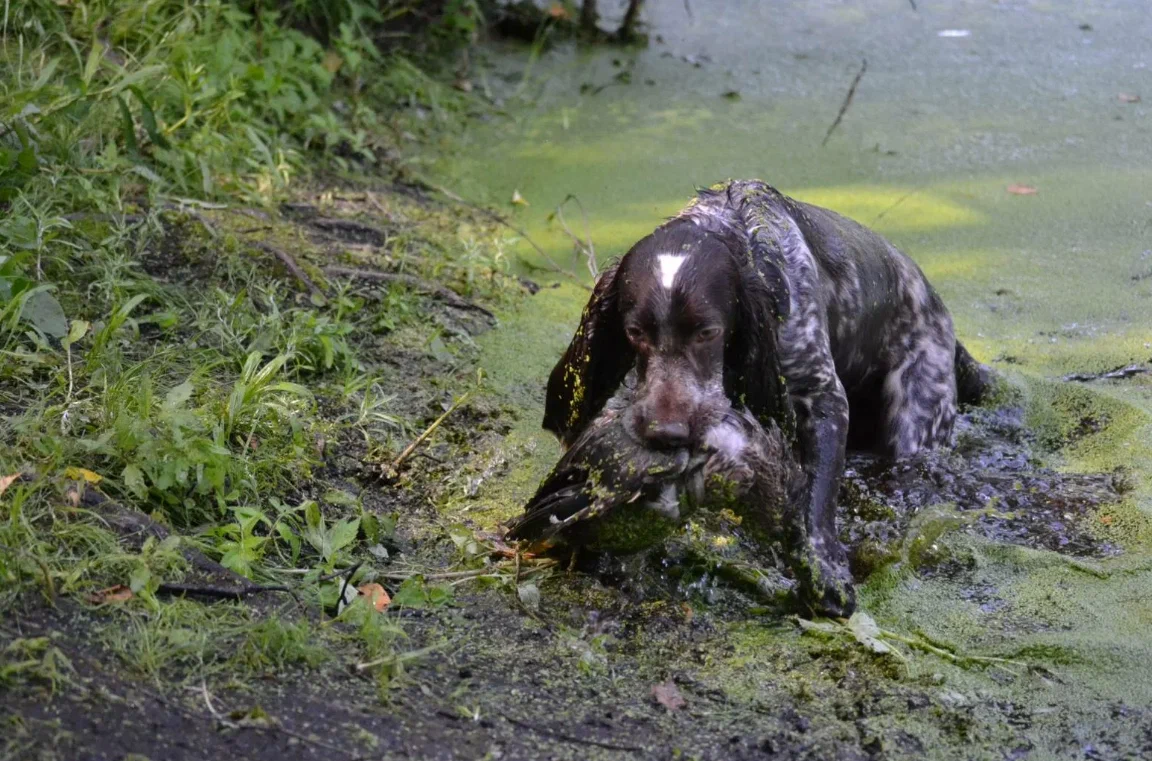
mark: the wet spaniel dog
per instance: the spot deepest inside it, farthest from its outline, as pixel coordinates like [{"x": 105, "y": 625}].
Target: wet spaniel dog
[{"x": 790, "y": 311}]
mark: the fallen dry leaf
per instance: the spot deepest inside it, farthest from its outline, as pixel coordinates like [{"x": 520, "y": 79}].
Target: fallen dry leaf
[
  {"x": 83, "y": 474},
  {"x": 118, "y": 593},
  {"x": 1125, "y": 97},
  {"x": 1022, "y": 190},
  {"x": 6, "y": 481},
  {"x": 332, "y": 62},
  {"x": 668, "y": 695},
  {"x": 376, "y": 595},
  {"x": 1106, "y": 520}
]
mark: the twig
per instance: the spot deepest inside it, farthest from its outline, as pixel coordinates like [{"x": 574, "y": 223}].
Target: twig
[
  {"x": 503, "y": 221},
  {"x": 1120, "y": 372},
  {"x": 123, "y": 219},
  {"x": 349, "y": 572},
  {"x": 847, "y": 101},
  {"x": 43, "y": 569},
  {"x": 913, "y": 4},
  {"x": 221, "y": 721},
  {"x": 221, "y": 593},
  {"x": 948, "y": 655},
  {"x": 536, "y": 565},
  {"x": 585, "y": 246},
  {"x": 547, "y": 732},
  {"x": 896, "y": 203},
  {"x": 428, "y": 432},
  {"x": 207, "y": 225},
  {"x": 211, "y": 709},
  {"x": 441, "y": 292},
  {"x": 287, "y": 260},
  {"x": 688, "y": 10},
  {"x": 398, "y": 657}
]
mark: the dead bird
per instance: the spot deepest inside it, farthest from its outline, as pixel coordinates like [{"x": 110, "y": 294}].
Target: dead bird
[{"x": 611, "y": 493}]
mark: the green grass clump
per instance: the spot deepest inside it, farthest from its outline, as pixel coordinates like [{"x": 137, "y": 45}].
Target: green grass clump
[{"x": 155, "y": 359}]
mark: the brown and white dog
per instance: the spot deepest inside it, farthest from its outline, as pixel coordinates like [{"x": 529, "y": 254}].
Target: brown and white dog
[{"x": 791, "y": 311}]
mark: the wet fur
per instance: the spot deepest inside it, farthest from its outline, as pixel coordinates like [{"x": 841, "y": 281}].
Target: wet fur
[{"x": 830, "y": 323}]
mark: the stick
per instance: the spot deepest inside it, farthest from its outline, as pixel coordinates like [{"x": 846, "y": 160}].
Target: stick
[
  {"x": 896, "y": 203},
  {"x": 221, "y": 593},
  {"x": 446, "y": 295},
  {"x": 1116, "y": 374},
  {"x": 948, "y": 655},
  {"x": 428, "y": 432},
  {"x": 586, "y": 245},
  {"x": 913, "y": 4},
  {"x": 287, "y": 260},
  {"x": 847, "y": 101},
  {"x": 570, "y": 738}
]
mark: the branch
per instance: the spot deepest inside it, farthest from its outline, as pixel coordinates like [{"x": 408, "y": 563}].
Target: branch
[
  {"x": 441, "y": 292},
  {"x": 287, "y": 260},
  {"x": 847, "y": 101}
]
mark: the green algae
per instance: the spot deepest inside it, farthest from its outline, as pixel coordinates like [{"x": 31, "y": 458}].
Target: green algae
[{"x": 1040, "y": 286}]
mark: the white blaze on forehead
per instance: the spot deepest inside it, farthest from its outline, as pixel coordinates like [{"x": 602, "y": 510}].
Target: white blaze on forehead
[{"x": 669, "y": 265}]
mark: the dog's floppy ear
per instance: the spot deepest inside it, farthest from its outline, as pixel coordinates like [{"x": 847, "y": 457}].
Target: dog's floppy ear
[
  {"x": 752, "y": 373},
  {"x": 594, "y": 365},
  {"x": 753, "y": 376}
]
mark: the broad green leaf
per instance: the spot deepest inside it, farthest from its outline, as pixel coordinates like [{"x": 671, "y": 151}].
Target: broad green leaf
[
  {"x": 344, "y": 533},
  {"x": 178, "y": 395},
  {"x": 46, "y": 74},
  {"x": 139, "y": 75},
  {"x": 148, "y": 117},
  {"x": 312, "y": 515},
  {"x": 45, "y": 314},
  {"x": 76, "y": 332},
  {"x": 820, "y": 628},
  {"x": 127, "y": 127},
  {"x": 341, "y": 497},
  {"x": 867, "y": 633},
  {"x": 95, "y": 55},
  {"x": 441, "y": 594},
  {"x": 139, "y": 579},
  {"x": 411, "y": 593}
]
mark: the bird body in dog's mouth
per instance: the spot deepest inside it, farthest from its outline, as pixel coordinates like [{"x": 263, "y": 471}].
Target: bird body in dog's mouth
[{"x": 611, "y": 492}]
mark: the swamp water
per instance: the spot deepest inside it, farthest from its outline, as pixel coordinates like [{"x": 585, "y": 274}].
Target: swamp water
[{"x": 1031, "y": 539}]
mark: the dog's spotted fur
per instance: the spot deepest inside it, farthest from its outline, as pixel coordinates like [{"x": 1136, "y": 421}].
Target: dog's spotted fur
[{"x": 827, "y": 323}]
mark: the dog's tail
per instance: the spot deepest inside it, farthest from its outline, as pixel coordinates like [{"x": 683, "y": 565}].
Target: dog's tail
[{"x": 974, "y": 382}]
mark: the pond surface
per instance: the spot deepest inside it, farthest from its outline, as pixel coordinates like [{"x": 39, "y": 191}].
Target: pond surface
[{"x": 959, "y": 102}]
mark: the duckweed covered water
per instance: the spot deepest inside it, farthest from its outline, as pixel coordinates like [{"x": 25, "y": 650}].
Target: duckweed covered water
[{"x": 1032, "y": 540}]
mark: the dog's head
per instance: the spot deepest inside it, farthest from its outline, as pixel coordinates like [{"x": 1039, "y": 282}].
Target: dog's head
[{"x": 686, "y": 309}]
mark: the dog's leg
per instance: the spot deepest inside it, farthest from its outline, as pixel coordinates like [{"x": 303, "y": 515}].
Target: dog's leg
[
  {"x": 920, "y": 392},
  {"x": 821, "y": 406},
  {"x": 819, "y": 560}
]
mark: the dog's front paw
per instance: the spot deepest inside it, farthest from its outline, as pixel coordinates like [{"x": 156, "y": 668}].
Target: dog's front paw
[{"x": 825, "y": 586}]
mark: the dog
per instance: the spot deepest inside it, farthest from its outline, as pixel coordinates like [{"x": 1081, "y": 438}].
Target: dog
[{"x": 789, "y": 310}]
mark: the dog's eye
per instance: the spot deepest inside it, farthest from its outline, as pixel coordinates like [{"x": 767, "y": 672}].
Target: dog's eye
[{"x": 707, "y": 334}]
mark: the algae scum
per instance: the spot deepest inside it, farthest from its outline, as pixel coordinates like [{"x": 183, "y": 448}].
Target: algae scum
[{"x": 1029, "y": 540}]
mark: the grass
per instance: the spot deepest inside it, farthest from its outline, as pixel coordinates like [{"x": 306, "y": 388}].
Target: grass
[{"x": 154, "y": 352}]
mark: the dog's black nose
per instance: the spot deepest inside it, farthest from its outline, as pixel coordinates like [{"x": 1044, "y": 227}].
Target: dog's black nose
[{"x": 670, "y": 435}]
